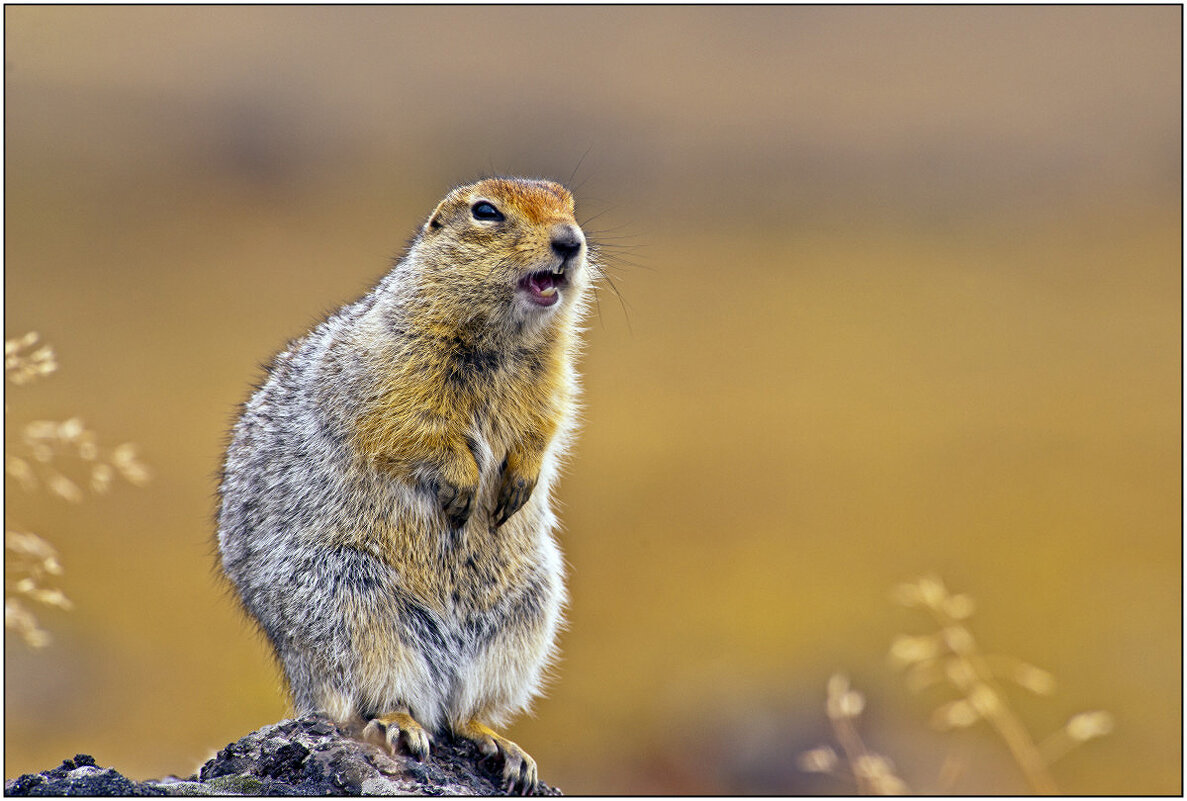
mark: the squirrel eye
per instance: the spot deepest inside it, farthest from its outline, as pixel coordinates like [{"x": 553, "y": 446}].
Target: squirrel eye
[{"x": 484, "y": 210}]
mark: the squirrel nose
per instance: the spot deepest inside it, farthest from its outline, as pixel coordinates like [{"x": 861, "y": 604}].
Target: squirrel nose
[{"x": 567, "y": 241}]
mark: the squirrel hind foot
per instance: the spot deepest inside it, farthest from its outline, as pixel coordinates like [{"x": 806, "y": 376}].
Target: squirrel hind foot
[
  {"x": 399, "y": 731},
  {"x": 519, "y": 769}
]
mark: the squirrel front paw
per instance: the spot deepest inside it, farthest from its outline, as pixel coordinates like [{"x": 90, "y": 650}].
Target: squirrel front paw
[
  {"x": 514, "y": 491},
  {"x": 456, "y": 503}
]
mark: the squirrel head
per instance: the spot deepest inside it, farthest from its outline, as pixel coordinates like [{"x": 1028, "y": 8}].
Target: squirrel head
[{"x": 508, "y": 246}]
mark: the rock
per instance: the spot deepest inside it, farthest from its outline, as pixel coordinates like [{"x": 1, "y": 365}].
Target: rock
[
  {"x": 307, "y": 756},
  {"x": 78, "y": 776}
]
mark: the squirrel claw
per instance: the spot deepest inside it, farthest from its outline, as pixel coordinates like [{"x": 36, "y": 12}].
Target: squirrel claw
[
  {"x": 399, "y": 728},
  {"x": 456, "y": 503},
  {"x": 514, "y": 492},
  {"x": 519, "y": 769}
]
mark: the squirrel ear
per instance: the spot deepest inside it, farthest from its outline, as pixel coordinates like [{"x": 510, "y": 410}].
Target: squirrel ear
[{"x": 436, "y": 219}]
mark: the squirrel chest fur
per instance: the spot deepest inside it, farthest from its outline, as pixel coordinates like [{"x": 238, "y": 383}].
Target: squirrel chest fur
[{"x": 385, "y": 502}]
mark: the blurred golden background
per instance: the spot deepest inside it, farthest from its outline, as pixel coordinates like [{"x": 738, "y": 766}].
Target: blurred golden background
[{"x": 900, "y": 294}]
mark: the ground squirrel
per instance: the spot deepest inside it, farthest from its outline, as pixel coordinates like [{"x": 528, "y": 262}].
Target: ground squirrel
[{"x": 385, "y": 512}]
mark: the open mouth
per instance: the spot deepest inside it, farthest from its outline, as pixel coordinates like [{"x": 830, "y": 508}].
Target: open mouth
[{"x": 543, "y": 286}]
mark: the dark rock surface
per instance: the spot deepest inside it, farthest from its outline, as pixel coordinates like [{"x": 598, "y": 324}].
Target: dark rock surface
[
  {"x": 308, "y": 756},
  {"x": 78, "y": 776}
]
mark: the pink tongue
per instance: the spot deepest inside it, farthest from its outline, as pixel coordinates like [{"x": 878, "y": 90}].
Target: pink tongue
[
  {"x": 541, "y": 281},
  {"x": 538, "y": 283}
]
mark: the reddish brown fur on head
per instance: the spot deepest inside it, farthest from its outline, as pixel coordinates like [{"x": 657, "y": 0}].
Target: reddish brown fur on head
[{"x": 539, "y": 202}]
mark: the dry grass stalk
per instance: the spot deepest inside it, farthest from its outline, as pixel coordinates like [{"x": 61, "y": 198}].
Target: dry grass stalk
[
  {"x": 30, "y": 561},
  {"x": 23, "y": 363},
  {"x": 872, "y": 772},
  {"x": 951, "y": 655}
]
